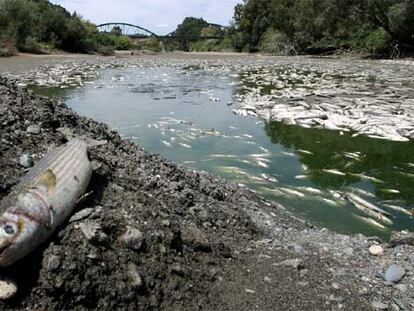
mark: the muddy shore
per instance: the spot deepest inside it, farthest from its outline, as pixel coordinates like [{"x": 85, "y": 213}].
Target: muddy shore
[{"x": 203, "y": 243}]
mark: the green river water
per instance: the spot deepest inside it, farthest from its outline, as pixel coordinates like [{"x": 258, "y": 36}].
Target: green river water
[{"x": 186, "y": 116}]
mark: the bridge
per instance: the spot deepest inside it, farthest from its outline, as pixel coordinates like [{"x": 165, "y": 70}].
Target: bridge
[{"x": 135, "y": 31}]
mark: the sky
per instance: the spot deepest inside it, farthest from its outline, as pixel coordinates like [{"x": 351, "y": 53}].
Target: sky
[{"x": 159, "y": 16}]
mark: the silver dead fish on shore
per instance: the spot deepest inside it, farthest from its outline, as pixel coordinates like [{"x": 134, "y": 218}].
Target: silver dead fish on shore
[{"x": 43, "y": 200}]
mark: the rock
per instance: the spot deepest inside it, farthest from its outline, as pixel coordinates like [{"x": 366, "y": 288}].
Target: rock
[
  {"x": 33, "y": 129},
  {"x": 26, "y": 160},
  {"x": 191, "y": 235},
  {"x": 378, "y": 305},
  {"x": 349, "y": 251},
  {"x": 376, "y": 250},
  {"x": 8, "y": 289},
  {"x": 93, "y": 233},
  {"x": 401, "y": 287},
  {"x": 132, "y": 239},
  {"x": 82, "y": 214},
  {"x": 134, "y": 276},
  {"x": 267, "y": 280},
  {"x": 299, "y": 249},
  {"x": 402, "y": 238},
  {"x": 394, "y": 274},
  {"x": 53, "y": 263},
  {"x": 296, "y": 263}
]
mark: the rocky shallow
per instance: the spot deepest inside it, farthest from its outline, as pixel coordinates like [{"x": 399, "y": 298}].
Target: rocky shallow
[{"x": 154, "y": 235}]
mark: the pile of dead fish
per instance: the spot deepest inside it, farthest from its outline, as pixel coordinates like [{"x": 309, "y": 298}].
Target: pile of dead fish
[{"x": 376, "y": 104}]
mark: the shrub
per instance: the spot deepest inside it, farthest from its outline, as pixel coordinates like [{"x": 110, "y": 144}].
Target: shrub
[{"x": 275, "y": 42}]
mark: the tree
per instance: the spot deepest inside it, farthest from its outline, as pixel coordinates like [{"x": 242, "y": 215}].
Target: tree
[
  {"x": 116, "y": 30},
  {"x": 191, "y": 27}
]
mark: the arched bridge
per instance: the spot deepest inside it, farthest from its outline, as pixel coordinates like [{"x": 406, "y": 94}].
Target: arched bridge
[
  {"x": 126, "y": 29},
  {"x": 135, "y": 31}
]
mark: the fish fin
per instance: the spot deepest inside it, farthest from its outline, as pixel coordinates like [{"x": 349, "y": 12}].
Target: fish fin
[
  {"x": 47, "y": 179},
  {"x": 70, "y": 135}
]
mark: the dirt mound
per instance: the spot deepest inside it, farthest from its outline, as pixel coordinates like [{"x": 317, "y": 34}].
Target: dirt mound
[{"x": 154, "y": 235}]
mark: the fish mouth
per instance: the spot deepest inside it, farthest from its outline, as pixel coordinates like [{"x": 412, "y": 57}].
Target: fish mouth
[{"x": 4, "y": 244}]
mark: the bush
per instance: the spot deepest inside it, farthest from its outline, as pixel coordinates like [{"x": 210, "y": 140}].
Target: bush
[
  {"x": 106, "y": 50},
  {"x": 275, "y": 42},
  {"x": 377, "y": 42},
  {"x": 31, "y": 46},
  {"x": 7, "y": 47}
]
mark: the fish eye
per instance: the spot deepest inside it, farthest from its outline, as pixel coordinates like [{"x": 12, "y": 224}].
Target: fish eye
[{"x": 9, "y": 229}]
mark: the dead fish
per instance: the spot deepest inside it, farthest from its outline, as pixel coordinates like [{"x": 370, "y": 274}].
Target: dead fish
[
  {"x": 334, "y": 172},
  {"x": 301, "y": 176},
  {"x": 292, "y": 192},
  {"x": 305, "y": 152},
  {"x": 394, "y": 191},
  {"x": 370, "y": 221},
  {"x": 362, "y": 176},
  {"x": 397, "y": 208},
  {"x": 43, "y": 200},
  {"x": 311, "y": 190},
  {"x": 369, "y": 208}
]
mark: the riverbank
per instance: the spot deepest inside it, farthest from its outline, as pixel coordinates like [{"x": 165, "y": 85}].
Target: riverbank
[{"x": 203, "y": 243}]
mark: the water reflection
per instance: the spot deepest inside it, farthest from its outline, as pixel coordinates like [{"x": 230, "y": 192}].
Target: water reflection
[{"x": 384, "y": 164}]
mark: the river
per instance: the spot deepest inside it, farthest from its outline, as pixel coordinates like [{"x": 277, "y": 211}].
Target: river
[{"x": 185, "y": 113}]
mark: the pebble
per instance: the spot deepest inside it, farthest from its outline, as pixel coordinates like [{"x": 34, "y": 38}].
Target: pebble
[
  {"x": 8, "y": 289},
  {"x": 93, "y": 233},
  {"x": 134, "y": 276},
  {"x": 26, "y": 160},
  {"x": 394, "y": 274},
  {"x": 33, "y": 129},
  {"x": 376, "y": 250},
  {"x": 378, "y": 305},
  {"x": 349, "y": 251},
  {"x": 53, "y": 263},
  {"x": 267, "y": 280},
  {"x": 82, "y": 214},
  {"x": 132, "y": 239}
]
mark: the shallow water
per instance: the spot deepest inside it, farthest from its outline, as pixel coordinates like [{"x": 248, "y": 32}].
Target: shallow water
[{"x": 185, "y": 114}]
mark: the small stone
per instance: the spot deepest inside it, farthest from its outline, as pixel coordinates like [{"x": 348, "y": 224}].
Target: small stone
[
  {"x": 33, "y": 129},
  {"x": 335, "y": 286},
  {"x": 82, "y": 214},
  {"x": 26, "y": 160},
  {"x": 295, "y": 263},
  {"x": 53, "y": 263},
  {"x": 191, "y": 235},
  {"x": 299, "y": 249},
  {"x": 132, "y": 239},
  {"x": 401, "y": 287},
  {"x": 349, "y": 251},
  {"x": 134, "y": 276},
  {"x": 394, "y": 274},
  {"x": 402, "y": 238},
  {"x": 376, "y": 250},
  {"x": 8, "y": 289},
  {"x": 378, "y": 305},
  {"x": 267, "y": 280},
  {"x": 93, "y": 233}
]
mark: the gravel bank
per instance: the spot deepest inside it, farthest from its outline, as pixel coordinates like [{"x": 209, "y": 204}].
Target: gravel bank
[{"x": 154, "y": 235}]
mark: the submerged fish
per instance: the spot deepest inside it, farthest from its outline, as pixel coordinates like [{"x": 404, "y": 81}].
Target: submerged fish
[
  {"x": 334, "y": 172},
  {"x": 369, "y": 208},
  {"x": 370, "y": 221},
  {"x": 43, "y": 200}
]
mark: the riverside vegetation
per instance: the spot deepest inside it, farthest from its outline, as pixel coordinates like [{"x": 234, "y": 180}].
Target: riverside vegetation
[{"x": 375, "y": 28}]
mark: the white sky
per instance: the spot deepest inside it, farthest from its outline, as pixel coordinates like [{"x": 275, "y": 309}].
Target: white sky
[{"x": 159, "y": 16}]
